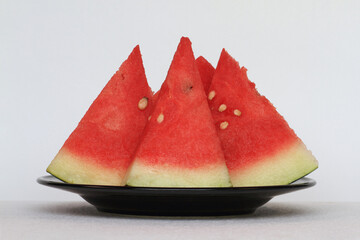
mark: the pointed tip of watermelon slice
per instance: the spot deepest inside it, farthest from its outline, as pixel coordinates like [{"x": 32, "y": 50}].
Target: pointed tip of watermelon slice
[
  {"x": 226, "y": 58},
  {"x": 227, "y": 65},
  {"x": 136, "y": 48},
  {"x": 201, "y": 60},
  {"x": 184, "y": 49},
  {"x": 206, "y": 71},
  {"x": 184, "y": 46},
  {"x": 183, "y": 73},
  {"x": 226, "y": 61},
  {"x": 185, "y": 40},
  {"x": 135, "y": 54},
  {"x": 133, "y": 65},
  {"x": 224, "y": 53}
]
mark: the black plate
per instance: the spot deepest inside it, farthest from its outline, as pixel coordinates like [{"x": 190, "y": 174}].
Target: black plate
[{"x": 176, "y": 201}]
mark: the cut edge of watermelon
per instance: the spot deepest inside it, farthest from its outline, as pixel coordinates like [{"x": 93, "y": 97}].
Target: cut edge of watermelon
[
  {"x": 164, "y": 176},
  {"x": 206, "y": 71},
  {"x": 283, "y": 168},
  {"x": 72, "y": 169}
]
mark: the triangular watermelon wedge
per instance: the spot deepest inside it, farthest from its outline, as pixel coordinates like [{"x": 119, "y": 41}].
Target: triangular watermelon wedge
[
  {"x": 100, "y": 149},
  {"x": 259, "y": 146},
  {"x": 180, "y": 146},
  {"x": 206, "y": 71}
]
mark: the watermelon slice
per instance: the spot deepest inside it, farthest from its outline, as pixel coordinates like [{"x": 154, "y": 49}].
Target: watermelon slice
[
  {"x": 180, "y": 146},
  {"x": 260, "y": 148},
  {"x": 99, "y": 150},
  {"x": 206, "y": 71}
]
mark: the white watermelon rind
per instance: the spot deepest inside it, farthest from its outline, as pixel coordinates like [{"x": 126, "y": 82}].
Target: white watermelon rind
[
  {"x": 73, "y": 169},
  {"x": 142, "y": 175},
  {"x": 282, "y": 168}
]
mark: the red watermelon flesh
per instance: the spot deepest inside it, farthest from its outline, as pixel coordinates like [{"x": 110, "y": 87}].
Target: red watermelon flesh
[
  {"x": 100, "y": 149},
  {"x": 180, "y": 146},
  {"x": 206, "y": 71},
  {"x": 259, "y": 146}
]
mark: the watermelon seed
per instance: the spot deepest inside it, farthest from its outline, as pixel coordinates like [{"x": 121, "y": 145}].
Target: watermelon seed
[
  {"x": 211, "y": 95},
  {"x": 224, "y": 125},
  {"x": 143, "y": 103},
  {"x": 149, "y": 117},
  {"x": 187, "y": 87},
  {"x": 237, "y": 112},
  {"x": 160, "y": 118},
  {"x": 222, "y": 108}
]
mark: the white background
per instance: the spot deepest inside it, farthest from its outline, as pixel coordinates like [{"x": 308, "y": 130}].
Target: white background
[{"x": 55, "y": 57}]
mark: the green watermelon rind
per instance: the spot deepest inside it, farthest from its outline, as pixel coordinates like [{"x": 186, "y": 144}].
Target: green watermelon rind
[
  {"x": 76, "y": 170},
  {"x": 282, "y": 168},
  {"x": 168, "y": 176}
]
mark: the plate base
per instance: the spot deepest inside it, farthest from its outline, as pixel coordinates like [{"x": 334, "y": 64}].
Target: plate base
[{"x": 175, "y": 206}]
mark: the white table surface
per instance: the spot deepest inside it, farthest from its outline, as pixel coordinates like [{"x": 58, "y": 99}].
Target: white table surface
[{"x": 275, "y": 220}]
